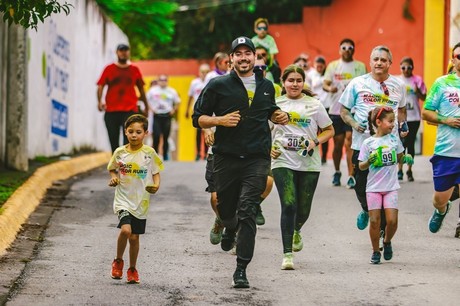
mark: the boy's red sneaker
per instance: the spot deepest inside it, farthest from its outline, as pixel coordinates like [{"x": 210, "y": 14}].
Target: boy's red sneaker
[
  {"x": 117, "y": 268},
  {"x": 132, "y": 276}
]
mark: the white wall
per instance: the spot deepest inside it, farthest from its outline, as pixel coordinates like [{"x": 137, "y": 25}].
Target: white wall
[{"x": 66, "y": 57}]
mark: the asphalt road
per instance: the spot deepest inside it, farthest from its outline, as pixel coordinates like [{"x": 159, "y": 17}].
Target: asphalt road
[{"x": 178, "y": 265}]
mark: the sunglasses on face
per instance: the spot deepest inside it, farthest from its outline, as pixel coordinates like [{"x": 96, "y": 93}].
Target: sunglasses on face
[
  {"x": 347, "y": 48},
  {"x": 406, "y": 67},
  {"x": 262, "y": 28},
  {"x": 260, "y": 67},
  {"x": 457, "y": 56}
]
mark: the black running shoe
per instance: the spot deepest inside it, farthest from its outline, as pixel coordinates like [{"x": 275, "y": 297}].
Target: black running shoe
[
  {"x": 228, "y": 240},
  {"x": 260, "y": 219},
  {"x": 387, "y": 251},
  {"x": 239, "y": 278}
]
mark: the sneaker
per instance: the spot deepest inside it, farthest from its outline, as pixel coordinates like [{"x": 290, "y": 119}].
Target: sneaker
[
  {"x": 132, "y": 276},
  {"x": 297, "y": 243},
  {"x": 435, "y": 222},
  {"x": 362, "y": 220},
  {"x": 382, "y": 236},
  {"x": 400, "y": 175},
  {"x": 260, "y": 219},
  {"x": 323, "y": 160},
  {"x": 233, "y": 250},
  {"x": 457, "y": 231},
  {"x": 351, "y": 182},
  {"x": 287, "y": 264},
  {"x": 410, "y": 178},
  {"x": 215, "y": 235},
  {"x": 375, "y": 258},
  {"x": 336, "y": 179},
  {"x": 228, "y": 240},
  {"x": 239, "y": 278},
  {"x": 387, "y": 251},
  {"x": 117, "y": 268}
]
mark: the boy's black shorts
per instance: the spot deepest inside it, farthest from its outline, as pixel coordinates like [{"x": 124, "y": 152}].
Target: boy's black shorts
[{"x": 137, "y": 225}]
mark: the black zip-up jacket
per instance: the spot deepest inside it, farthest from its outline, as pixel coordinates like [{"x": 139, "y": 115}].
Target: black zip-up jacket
[{"x": 226, "y": 94}]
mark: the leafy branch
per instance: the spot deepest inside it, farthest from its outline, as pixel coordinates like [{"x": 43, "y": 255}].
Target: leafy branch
[{"x": 28, "y": 13}]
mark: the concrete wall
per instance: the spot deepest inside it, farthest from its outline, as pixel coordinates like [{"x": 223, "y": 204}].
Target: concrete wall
[{"x": 66, "y": 57}]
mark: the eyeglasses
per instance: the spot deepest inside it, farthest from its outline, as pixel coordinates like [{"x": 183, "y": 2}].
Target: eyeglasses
[
  {"x": 386, "y": 108},
  {"x": 163, "y": 80},
  {"x": 406, "y": 67},
  {"x": 345, "y": 48},
  {"x": 457, "y": 56},
  {"x": 262, "y": 54},
  {"x": 385, "y": 88},
  {"x": 262, "y": 28},
  {"x": 260, "y": 67}
]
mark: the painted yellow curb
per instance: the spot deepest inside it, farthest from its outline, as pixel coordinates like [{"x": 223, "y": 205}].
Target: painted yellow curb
[{"x": 26, "y": 198}]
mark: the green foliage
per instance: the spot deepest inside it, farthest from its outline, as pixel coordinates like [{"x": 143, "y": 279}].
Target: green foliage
[
  {"x": 143, "y": 21},
  {"x": 28, "y": 13},
  {"x": 201, "y": 31}
]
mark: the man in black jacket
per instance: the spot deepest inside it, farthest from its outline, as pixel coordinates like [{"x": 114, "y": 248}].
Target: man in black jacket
[{"x": 239, "y": 106}]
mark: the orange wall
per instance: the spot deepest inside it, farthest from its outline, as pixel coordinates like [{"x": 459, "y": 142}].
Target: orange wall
[{"x": 368, "y": 23}]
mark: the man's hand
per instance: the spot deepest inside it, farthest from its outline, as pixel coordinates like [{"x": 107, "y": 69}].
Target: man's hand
[
  {"x": 152, "y": 188},
  {"x": 101, "y": 106},
  {"x": 230, "y": 119},
  {"x": 453, "y": 122},
  {"x": 208, "y": 137},
  {"x": 360, "y": 127},
  {"x": 280, "y": 117}
]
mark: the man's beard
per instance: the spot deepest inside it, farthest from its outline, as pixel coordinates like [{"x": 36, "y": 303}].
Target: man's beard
[{"x": 122, "y": 60}]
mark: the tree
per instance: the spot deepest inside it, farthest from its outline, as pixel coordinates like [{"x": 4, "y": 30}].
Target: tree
[
  {"x": 143, "y": 21},
  {"x": 28, "y": 13}
]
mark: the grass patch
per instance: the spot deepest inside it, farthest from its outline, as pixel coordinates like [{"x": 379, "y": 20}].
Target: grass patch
[{"x": 10, "y": 180}]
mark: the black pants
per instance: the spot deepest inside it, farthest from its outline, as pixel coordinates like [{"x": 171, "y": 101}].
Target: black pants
[
  {"x": 239, "y": 184},
  {"x": 360, "y": 188},
  {"x": 161, "y": 126},
  {"x": 296, "y": 190},
  {"x": 409, "y": 140},
  {"x": 114, "y": 121}
]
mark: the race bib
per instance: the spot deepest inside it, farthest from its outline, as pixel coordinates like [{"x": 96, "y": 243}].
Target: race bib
[
  {"x": 293, "y": 142},
  {"x": 385, "y": 157}
]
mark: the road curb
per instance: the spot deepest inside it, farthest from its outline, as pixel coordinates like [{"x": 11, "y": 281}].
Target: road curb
[{"x": 26, "y": 198}]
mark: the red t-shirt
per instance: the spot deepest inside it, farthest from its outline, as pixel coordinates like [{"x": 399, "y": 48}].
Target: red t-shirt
[{"x": 121, "y": 96}]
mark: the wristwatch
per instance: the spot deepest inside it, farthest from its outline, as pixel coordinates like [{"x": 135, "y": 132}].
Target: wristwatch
[{"x": 316, "y": 141}]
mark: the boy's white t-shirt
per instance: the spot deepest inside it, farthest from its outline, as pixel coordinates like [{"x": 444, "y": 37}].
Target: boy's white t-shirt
[
  {"x": 385, "y": 178},
  {"x": 135, "y": 170}
]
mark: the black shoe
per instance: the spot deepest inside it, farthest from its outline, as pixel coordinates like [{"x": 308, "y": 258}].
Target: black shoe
[
  {"x": 260, "y": 219},
  {"x": 410, "y": 178},
  {"x": 228, "y": 240},
  {"x": 387, "y": 251},
  {"x": 239, "y": 278},
  {"x": 400, "y": 175},
  {"x": 457, "y": 231}
]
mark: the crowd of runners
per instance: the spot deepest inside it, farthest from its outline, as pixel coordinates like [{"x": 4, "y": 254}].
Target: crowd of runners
[{"x": 263, "y": 125}]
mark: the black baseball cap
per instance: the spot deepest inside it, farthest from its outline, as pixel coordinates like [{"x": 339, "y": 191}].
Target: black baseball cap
[
  {"x": 243, "y": 40},
  {"x": 122, "y": 47}
]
